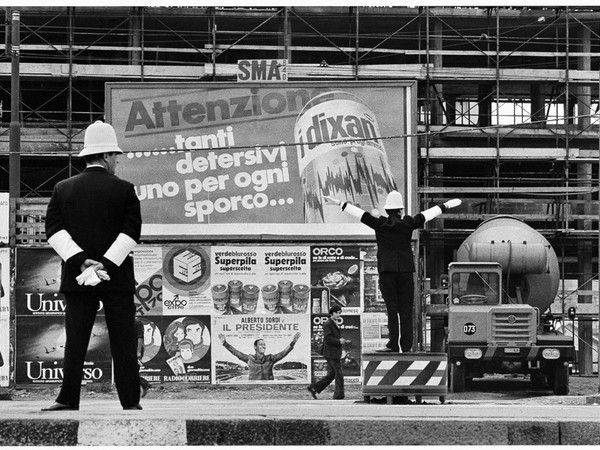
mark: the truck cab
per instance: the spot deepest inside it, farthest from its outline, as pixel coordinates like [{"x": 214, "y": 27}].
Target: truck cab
[{"x": 490, "y": 331}]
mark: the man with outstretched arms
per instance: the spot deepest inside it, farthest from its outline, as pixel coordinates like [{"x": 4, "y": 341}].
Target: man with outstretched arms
[
  {"x": 395, "y": 261},
  {"x": 93, "y": 222}
]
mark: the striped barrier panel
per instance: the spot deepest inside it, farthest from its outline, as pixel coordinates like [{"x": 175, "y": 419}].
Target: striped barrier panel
[{"x": 400, "y": 374}]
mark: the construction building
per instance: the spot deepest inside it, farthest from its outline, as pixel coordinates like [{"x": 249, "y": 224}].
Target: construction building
[{"x": 508, "y": 105}]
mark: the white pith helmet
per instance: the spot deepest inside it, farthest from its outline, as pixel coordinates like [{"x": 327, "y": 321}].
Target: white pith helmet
[
  {"x": 100, "y": 138},
  {"x": 394, "y": 201}
]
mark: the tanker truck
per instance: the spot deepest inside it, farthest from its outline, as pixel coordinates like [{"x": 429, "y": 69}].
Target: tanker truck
[{"x": 505, "y": 278}]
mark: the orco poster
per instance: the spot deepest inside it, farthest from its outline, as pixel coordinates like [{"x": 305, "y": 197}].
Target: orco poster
[
  {"x": 250, "y": 159},
  {"x": 338, "y": 268}
]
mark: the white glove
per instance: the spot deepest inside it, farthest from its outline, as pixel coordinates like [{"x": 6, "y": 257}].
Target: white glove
[
  {"x": 103, "y": 275},
  {"x": 332, "y": 200},
  {"x": 89, "y": 277},
  {"x": 452, "y": 203}
]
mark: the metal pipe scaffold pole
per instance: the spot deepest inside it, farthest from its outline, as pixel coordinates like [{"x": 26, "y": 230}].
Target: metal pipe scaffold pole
[{"x": 15, "y": 126}]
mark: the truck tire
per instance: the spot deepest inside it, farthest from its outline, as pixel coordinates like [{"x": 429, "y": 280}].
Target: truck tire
[
  {"x": 457, "y": 377},
  {"x": 560, "y": 380}
]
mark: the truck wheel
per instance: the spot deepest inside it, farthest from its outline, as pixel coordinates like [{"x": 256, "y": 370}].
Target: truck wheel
[
  {"x": 560, "y": 382},
  {"x": 538, "y": 380},
  {"x": 457, "y": 378}
]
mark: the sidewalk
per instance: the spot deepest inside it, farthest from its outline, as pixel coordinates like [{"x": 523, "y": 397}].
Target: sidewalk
[{"x": 299, "y": 422}]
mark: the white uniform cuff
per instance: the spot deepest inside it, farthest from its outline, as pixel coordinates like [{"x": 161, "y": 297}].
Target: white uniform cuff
[
  {"x": 119, "y": 250},
  {"x": 354, "y": 211},
  {"x": 432, "y": 213},
  {"x": 64, "y": 245}
]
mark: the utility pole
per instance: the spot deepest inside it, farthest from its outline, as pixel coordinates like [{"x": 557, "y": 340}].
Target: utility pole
[
  {"x": 15, "y": 126},
  {"x": 14, "y": 160}
]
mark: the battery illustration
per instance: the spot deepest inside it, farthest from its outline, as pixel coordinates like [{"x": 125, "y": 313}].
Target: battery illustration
[{"x": 340, "y": 154}]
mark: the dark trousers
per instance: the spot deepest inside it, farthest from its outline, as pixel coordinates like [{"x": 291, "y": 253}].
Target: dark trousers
[
  {"x": 334, "y": 372},
  {"x": 398, "y": 290},
  {"x": 80, "y": 315}
]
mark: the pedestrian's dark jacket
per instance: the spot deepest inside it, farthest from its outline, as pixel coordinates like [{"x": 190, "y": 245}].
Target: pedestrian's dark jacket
[
  {"x": 393, "y": 235},
  {"x": 332, "y": 347},
  {"x": 94, "y": 207}
]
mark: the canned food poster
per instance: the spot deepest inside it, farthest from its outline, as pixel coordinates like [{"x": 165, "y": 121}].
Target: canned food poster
[
  {"x": 207, "y": 157},
  {"x": 176, "y": 349},
  {"x": 260, "y": 280},
  {"x": 261, "y": 349},
  {"x": 338, "y": 268},
  {"x": 350, "y": 328}
]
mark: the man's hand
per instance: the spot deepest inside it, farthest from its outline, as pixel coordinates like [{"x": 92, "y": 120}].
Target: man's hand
[
  {"x": 296, "y": 337},
  {"x": 222, "y": 338},
  {"x": 90, "y": 262},
  {"x": 452, "y": 203}
]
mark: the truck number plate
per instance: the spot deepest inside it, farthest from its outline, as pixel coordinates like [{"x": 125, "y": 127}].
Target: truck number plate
[{"x": 511, "y": 350}]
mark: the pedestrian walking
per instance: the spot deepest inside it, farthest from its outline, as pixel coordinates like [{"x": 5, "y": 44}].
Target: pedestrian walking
[
  {"x": 395, "y": 261},
  {"x": 332, "y": 352},
  {"x": 93, "y": 222}
]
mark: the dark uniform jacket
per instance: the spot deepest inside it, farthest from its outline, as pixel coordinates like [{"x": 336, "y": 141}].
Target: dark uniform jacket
[
  {"x": 332, "y": 347},
  {"x": 94, "y": 207},
  {"x": 393, "y": 235}
]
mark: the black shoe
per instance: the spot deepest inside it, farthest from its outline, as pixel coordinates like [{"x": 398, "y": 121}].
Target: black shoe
[
  {"x": 312, "y": 392},
  {"x": 61, "y": 407},
  {"x": 339, "y": 398},
  {"x": 138, "y": 406},
  {"x": 145, "y": 389}
]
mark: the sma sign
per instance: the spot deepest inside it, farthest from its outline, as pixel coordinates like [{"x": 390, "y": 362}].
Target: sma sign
[{"x": 274, "y": 70}]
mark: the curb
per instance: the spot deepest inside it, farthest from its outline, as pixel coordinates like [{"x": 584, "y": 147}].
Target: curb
[{"x": 153, "y": 432}]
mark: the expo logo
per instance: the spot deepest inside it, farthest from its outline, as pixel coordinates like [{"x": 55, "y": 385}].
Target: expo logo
[
  {"x": 176, "y": 303},
  {"x": 328, "y": 251}
]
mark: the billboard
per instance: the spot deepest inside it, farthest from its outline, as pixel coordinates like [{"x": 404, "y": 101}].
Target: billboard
[{"x": 208, "y": 157}]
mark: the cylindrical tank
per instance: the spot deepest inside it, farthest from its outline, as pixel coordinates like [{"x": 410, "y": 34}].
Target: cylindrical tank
[{"x": 527, "y": 258}]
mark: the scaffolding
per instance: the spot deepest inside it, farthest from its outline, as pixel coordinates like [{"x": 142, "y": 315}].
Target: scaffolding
[{"x": 508, "y": 100}]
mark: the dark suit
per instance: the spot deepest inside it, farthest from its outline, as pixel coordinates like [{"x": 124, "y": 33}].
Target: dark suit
[
  {"x": 395, "y": 263},
  {"x": 95, "y": 208},
  {"x": 332, "y": 352}
]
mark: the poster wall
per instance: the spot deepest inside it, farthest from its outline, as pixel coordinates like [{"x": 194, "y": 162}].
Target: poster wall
[
  {"x": 4, "y": 317},
  {"x": 210, "y": 314},
  {"x": 207, "y": 157}
]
